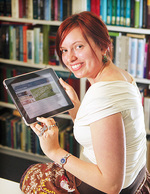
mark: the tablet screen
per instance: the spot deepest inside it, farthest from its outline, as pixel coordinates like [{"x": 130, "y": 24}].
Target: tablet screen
[{"x": 38, "y": 93}]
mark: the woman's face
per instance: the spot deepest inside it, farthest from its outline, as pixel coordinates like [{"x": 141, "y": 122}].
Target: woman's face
[{"x": 78, "y": 56}]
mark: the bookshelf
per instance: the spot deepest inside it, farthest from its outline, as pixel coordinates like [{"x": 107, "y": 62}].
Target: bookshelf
[{"x": 77, "y": 6}]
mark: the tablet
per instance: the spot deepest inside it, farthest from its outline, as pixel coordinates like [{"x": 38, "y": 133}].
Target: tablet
[{"x": 38, "y": 94}]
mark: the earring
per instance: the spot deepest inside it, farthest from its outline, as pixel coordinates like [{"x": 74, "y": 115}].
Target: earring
[{"x": 104, "y": 59}]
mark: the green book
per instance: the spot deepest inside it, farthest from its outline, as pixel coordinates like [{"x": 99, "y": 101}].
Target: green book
[
  {"x": 137, "y": 12},
  {"x": 46, "y": 29}
]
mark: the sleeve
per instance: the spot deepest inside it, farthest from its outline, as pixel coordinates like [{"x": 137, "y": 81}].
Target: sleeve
[{"x": 103, "y": 101}]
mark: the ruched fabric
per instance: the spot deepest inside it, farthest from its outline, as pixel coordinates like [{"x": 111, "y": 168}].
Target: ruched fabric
[{"x": 107, "y": 98}]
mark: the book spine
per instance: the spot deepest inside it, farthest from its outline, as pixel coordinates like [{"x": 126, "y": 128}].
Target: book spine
[
  {"x": 128, "y": 12},
  {"x": 89, "y": 5},
  {"x": 114, "y": 10},
  {"x": 36, "y": 45},
  {"x": 140, "y": 58},
  {"x": 118, "y": 13},
  {"x": 109, "y": 12},
  {"x": 136, "y": 16},
  {"x": 145, "y": 60},
  {"x": 35, "y": 9},
  {"x": 20, "y": 43},
  {"x": 25, "y": 43},
  {"x": 122, "y": 6},
  {"x": 30, "y": 46},
  {"x": 15, "y": 8},
  {"x": 41, "y": 49},
  {"x": 141, "y": 14},
  {"x": 144, "y": 22},
  {"x": 61, "y": 10},
  {"x": 132, "y": 13},
  {"x": 133, "y": 61},
  {"x": 148, "y": 13}
]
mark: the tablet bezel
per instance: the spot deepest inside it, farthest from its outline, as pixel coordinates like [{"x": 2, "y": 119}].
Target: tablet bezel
[{"x": 8, "y": 85}]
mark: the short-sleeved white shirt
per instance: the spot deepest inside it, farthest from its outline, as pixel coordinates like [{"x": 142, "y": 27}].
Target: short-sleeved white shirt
[{"x": 106, "y": 98}]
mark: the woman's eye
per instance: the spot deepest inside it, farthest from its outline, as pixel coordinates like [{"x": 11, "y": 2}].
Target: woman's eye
[
  {"x": 64, "y": 51},
  {"x": 79, "y": 46}
]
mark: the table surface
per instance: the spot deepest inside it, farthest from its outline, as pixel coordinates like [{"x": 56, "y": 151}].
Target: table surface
[{"x": 9, "y": 187}]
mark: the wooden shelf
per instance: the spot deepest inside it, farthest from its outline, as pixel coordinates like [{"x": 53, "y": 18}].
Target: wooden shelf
[
  {"x": 129, "y": 30},
  {"x": 36, "y": 66},
  {"x": 32, "y": 21},
  {"x": 23, "y": 154}
]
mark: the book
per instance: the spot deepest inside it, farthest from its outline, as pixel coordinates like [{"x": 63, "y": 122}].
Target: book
[
  {"x": 41, "y": 49},
  {"x": 122, "y": 14},
  {"x": 137, "y": 11},
  {"x": 25, "y": 43},
  {"x": 46, "y": 29},
  {"x": 55, "y": 10},
  {"x": 30, "y": 46},
  {"x": 148, "y": 13},
  {"x": 128, "y": 13},
  {"x": 148, "y": 60},
  {"x": 140, "y": 58},
  {"x": 145, "y": 60},
  {"x": 60, "y": 11},
  {"x": 21, "y": 43},
  {"x": 114, "y": 11},
  {"x": 141, "y": 14},
  {"x": 88, "y": 5},
  {"x": 35, "y": 9},
  {"x": 15, "y": 8},
  {"x": 132, "y": 13},
  {"x": 144, "y": 21},
  {"x": 47, "y": 9},
  {"x": 109, "y": 12},
  {"x": 29, "y": 9},
  {"x": 118, "y": 13},
  {"x": 36, "y": 45},
  {"x": 133, "y": 57},
  {"x": 103, "y": 10}
]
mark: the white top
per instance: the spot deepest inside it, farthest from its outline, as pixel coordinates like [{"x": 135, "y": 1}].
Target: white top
[{"x": 106, "y": 98}]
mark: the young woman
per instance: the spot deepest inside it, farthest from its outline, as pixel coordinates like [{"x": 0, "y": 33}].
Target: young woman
[{"x": 108, "y": 123}]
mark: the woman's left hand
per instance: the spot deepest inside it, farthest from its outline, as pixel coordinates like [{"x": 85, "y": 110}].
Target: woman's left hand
[{"x": 49, "y": 140}]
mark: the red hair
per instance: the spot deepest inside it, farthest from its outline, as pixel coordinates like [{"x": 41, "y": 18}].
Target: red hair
[{"x": 91, "y": 26}]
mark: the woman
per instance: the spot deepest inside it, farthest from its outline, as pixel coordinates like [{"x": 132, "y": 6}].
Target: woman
[{"x": 109, "y": 123}]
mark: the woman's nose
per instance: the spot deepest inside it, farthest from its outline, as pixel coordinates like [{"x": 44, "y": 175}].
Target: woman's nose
[{"x": 71, "y": 57}]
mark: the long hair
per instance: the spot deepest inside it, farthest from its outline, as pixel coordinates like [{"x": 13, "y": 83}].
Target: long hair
[{"x": 91, "y": 26}]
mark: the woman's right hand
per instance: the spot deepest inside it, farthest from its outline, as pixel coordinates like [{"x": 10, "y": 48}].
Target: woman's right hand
[{"x": 73, "y": 96}]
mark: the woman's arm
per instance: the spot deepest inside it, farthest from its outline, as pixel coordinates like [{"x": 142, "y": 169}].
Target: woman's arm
[
  {"x": 109, "y": 146},
  {"x": 74, "y": 98}
]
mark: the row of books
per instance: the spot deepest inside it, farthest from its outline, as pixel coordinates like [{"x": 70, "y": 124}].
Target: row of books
[
  {"x": 36, "y": 9},
  {"x": 129, "y": 13},
  {"x": 15, "y": 134},
  {"x": 35, "y": 45},
  {"x": 7, "y": 71},
  {"x": 131, "y": 53}
]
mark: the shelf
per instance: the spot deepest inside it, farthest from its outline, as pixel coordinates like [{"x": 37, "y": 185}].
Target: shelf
[
  {"x": 142, "y": 81},
  {"x": 12, "y": 106},
  {"x": 33, "y": 21},
  {"x": 57, "y": 23},
  {"x": 36, "y": 66},
  {"x": 23, "y": 154},
  {"x": 129, "y": 30}
]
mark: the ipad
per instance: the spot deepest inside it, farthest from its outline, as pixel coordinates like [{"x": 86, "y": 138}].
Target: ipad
[{"x": 38, "y": 93}]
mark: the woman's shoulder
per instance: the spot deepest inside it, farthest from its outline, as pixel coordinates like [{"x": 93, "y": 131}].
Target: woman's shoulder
[{"x": 114, "y": 73}]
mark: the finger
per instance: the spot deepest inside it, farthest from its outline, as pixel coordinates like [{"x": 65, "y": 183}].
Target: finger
[
  {"x": 64, "y": 84},
  {"x": 46, "y": 121}
]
